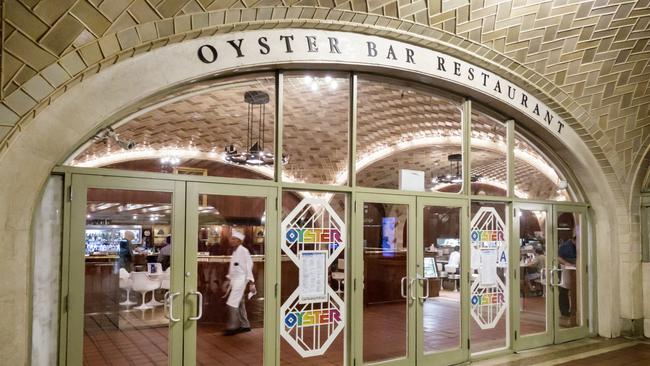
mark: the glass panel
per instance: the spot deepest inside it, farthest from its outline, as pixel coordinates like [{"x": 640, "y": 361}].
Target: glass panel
[
  {"x": 223, "y": 129},
  {"x": 405, "y": 126},
  {"x": 570, "y": 280},
  {"x": 442, "y": 259},
  {"x": 316, "y": 123},
  {"x": 313, "y": 287},
  {"x": 489, "y": 284},
  {"x": 532, "y": 262},
  {"x": 128, "y": 234},
  {"x": 385, "y": 301},
  {"x": 536, "y": 177},
  {"x": 489, "y": 155},
  {"x": 231, "y": 251}
]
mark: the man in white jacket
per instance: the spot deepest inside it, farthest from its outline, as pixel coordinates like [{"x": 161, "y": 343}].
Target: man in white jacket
[{"x": 240, "y": 273}]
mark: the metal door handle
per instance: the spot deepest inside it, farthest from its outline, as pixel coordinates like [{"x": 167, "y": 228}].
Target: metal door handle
[
  {"x": 553, "y": 276},
  {"x": 169, "y": 299},
  {"x": 425, "y": 283},
  {"x": 411, "y": 288},
  {"x": 199, "y": 306},
  {"x": 402, "y": 290}
]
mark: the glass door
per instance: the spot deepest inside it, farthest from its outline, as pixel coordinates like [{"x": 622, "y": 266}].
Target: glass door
[
  {"x": 125, "y": 284},
  {"x": 230, "y": 275},
  {"x": 569, "y": 273},
  {"x": 442, "y": 272},
  {"x": 533, "y": 249},
  {"x": 384, "y": 258}
]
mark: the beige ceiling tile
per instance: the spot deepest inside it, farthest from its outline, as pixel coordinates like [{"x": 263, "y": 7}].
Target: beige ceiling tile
[
  {"x": 55, "y": 75},
  {"x": 113, "y": 8},
  {"x": 51, "y": 10},
  {"x": 91, "y": 53},
  {"x": 28, "y": 51},
  {"x": 4, "y": 131},
  {"x": 83, "y": 38},
  {"x": 147, "y": 32},
  {"x": 11, "y": 65},
  {"x": 23, "y": 19},
  {"x": 109, "y": 45},
  {"x": 165, "y": 27},
  {"x": 128, "y": 38},
  {"x": 182, "y": 24},
  {"x": 142, "y": 12},
  {"x": 62, "y": 34},
  {"x": 91, "y": 17},
  {"x": 38, "y": 88},
  {"x": 19, "y": 102},
  {"x": 200, "y": 20},
  {"x": 169, "y": 8},
  {"x": 122, "y": 22},
  {"x": 72, "y": 63},
  {"x": 7, "y": 116}
]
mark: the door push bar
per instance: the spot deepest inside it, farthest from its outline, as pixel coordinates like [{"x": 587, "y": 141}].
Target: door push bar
[
  {"x": 169, "y": 310},
  {"x": 199, "y": 305},
  {"x": 404, "y": 289}
]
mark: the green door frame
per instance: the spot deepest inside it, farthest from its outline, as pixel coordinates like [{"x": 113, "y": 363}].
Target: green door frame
[
  {"x": 569, "y": 334},
  {"x": 73, "y": 293},
  {"x": 460, "y": 354},
  {"x": 271, "y": 265},
  {"x": 358, "y": 265},
  {"x": 544, "y": 338}
]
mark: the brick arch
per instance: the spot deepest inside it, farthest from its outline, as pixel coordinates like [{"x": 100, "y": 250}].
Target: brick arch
[
  {"x": 22, "y": 155},
  {"x": 73, "y": 67}
]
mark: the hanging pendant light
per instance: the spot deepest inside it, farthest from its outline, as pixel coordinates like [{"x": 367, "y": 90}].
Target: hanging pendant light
[
  {"x": 455, "y": 175},
  {"x": 255, "y": 153}
]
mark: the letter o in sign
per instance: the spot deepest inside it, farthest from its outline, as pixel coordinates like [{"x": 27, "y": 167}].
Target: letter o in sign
[
  {"x": 207, "y": 54},
  {"x": 292, "y": 236},
  {"x": 290, "y": 320}
]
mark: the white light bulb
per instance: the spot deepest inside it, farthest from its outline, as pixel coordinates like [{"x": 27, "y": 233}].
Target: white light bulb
[
  {"x": 328, "y": 79},
  {"x": 314, "y": 87},
  {"x": 308, "y": 79}
]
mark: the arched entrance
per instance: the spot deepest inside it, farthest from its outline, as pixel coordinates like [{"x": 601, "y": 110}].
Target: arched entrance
[{"x": 350, "y": 193}]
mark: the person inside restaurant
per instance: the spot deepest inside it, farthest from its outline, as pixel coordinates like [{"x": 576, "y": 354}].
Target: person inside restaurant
[
  {"x": 240, "y": 273},
  {"x": 164, "y": 255}
]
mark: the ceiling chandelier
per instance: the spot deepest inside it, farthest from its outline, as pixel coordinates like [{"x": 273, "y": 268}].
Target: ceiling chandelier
[
  {"x": 255, "y": 154},
  {"x": 455, "y": 175}
]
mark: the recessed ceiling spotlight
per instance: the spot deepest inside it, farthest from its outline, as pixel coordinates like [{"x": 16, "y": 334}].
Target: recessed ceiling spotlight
[{"x": 328, "y": 79}]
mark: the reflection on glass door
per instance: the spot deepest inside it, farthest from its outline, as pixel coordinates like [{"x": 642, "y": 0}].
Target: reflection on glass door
[
  {"x": 569, "y": 277},
  {"x": 441, "y": 276},
  {"x": 387, "y": 283},
  {"x": 489, "y": 282},
  {"x": 532, "y": 263},
  {"x": 227, "y": 302},
  {"x": 127, "y": 278}
]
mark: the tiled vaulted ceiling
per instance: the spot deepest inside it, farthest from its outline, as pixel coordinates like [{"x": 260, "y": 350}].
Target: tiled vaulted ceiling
[
  {"x": 597, "y": 52},
  {"x": 315, "y": 131}
]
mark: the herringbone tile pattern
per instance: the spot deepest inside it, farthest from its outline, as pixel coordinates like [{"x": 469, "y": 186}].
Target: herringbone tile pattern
[{"x": 595, "y": 51}]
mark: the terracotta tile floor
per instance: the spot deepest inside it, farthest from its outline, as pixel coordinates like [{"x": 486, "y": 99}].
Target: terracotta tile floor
[
  {"x": 141, "y": 337},
  {"x": 637, "y": 355}
]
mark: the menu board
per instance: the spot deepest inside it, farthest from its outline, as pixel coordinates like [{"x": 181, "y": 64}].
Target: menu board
[{"x": 313, "y": 276}]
